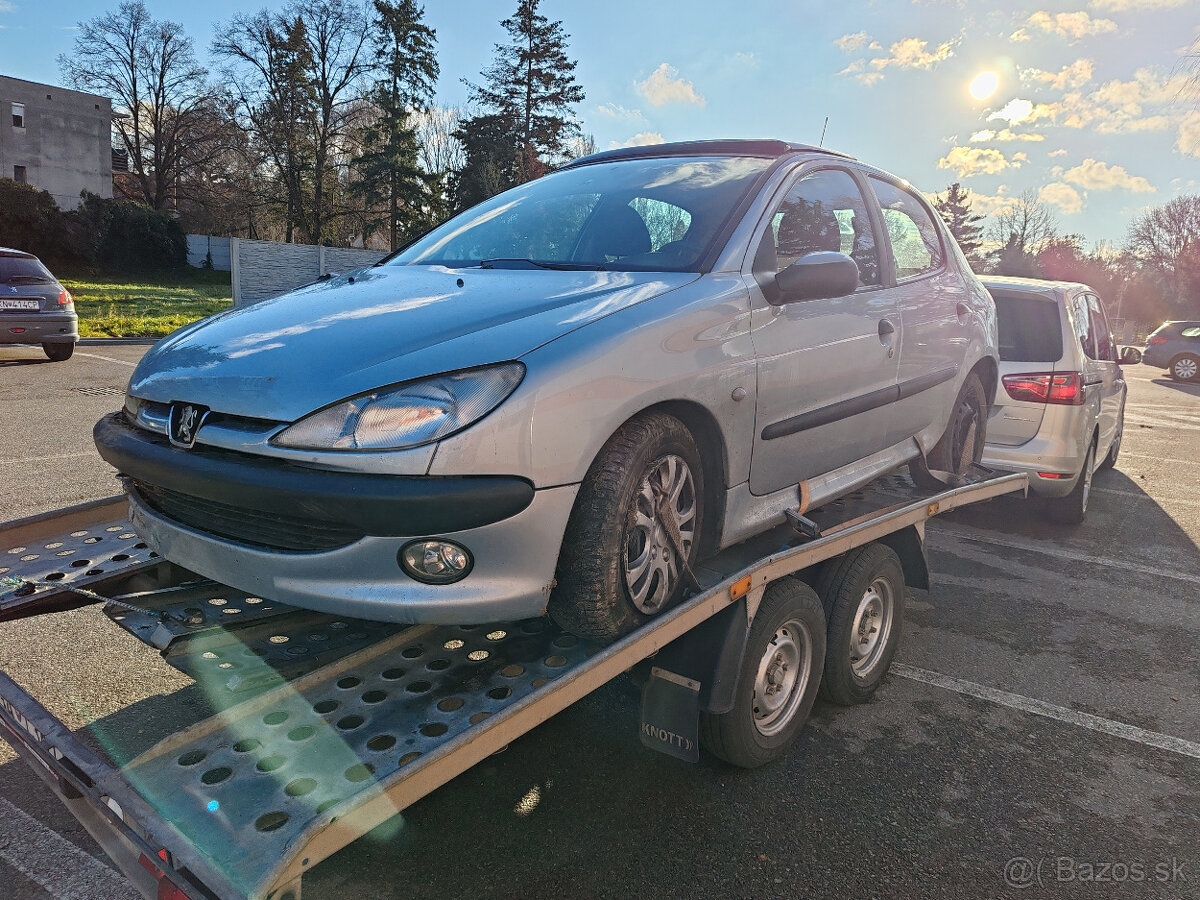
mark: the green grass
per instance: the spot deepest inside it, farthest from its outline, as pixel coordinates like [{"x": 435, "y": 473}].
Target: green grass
[{"x": 147, "y": 305}]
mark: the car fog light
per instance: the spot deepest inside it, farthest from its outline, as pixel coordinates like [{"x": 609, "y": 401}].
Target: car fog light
[{"x": 436, "y": 562}]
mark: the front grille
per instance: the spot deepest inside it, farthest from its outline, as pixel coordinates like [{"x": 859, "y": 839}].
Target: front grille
[{"x": 250, "y": 527}]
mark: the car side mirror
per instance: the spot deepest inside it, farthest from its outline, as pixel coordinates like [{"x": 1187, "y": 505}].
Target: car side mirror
[
  {"x": 817, "y": 276},
  {"x": 1130, "y": 356}
]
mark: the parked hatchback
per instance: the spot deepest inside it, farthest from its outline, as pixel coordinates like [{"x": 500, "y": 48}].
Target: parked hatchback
[
  {"x": 34, "y": 307},
  {"x": 567, "y": 395},
  {"x": 1061, "y": 405},
  {"x": 1175, "y": 346}
]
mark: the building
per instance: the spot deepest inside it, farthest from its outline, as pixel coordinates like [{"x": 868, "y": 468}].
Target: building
[{"x": 56, "y": 139}]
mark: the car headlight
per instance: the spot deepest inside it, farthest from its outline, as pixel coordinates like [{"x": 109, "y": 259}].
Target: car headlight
[{"x": 412, "y": 414}]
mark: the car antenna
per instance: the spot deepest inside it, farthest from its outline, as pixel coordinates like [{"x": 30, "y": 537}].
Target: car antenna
[{"x": 823, "y": 127}]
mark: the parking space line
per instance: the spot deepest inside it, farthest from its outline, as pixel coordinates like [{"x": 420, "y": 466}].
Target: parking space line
[
  {"x": 1050, "y": 711},
  {"x": 37, "y": 459},
  {"x": 1140, "y": 496},
  {"x": 1177, "y": 462},
  {"x": 986, "y": 537},
  {"x": 61, "y": 868},
  {"x": 123, "y": 362}
]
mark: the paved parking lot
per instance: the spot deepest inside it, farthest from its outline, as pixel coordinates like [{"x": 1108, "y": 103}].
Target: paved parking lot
[{"x": 1040, "y": 736}]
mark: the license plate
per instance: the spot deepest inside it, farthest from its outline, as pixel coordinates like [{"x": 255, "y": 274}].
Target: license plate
[{"x": 19, "y": 304}]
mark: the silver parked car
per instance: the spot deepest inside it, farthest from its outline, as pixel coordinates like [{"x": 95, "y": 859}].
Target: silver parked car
[
  {"x": 567, "y": 395},
  {"x": 1061, "y": 406}
]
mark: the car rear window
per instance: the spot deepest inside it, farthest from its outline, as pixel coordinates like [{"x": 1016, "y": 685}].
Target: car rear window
[
  {"x": 1030, "y": 328},
  {"x": 22, "y": 268}
]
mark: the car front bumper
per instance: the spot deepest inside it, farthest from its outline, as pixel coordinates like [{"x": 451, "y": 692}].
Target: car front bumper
[
  {"x": 330, "y": 541},
  {"x": 37, "y": 329}
]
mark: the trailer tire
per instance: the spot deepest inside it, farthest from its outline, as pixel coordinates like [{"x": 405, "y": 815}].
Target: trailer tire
[
  {"x": 618, "y": 568},
  {"x": 785, "y": 651},
  {"x": 863, "y": 595}
]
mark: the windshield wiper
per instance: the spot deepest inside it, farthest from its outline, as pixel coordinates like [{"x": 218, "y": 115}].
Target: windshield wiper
[{"x": 504, "y": 263}]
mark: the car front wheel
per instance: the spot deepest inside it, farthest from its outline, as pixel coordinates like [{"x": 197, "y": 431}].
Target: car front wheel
[{"x": 634, "y": 532}]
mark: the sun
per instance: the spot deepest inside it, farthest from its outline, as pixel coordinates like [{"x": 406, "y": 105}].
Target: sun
[{"x": 984, "y": 85}]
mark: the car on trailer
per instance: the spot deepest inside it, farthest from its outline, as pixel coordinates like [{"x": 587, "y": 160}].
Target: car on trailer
[
  {"x": 569, "y": 395},
  {"x": 1060, "y": 412}
]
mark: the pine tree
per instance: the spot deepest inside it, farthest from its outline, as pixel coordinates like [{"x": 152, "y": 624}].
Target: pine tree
[
  {"x": 391, "y": 172},
  {"x": 955, "y": 210},
  {"x": 531, "y": 88}
]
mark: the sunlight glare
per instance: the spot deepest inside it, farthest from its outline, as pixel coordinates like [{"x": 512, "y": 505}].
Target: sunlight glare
[{"x": 984, "y": 85}]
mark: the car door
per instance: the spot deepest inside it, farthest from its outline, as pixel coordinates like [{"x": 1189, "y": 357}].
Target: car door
[
  {"x": 1105, "y": 372},
  {"x": 932, "y": 301},
  {"x": 826, "y": 368}
]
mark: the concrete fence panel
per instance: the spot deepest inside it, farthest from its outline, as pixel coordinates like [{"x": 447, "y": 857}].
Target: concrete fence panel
[{"x": 264, "y": 269}]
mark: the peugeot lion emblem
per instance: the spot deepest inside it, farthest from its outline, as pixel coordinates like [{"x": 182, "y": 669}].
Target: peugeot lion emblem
[
  {"x": 12, "y": 290},
  {"x": 185, "y": 421}
]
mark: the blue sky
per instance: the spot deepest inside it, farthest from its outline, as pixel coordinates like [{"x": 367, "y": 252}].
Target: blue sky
[{"x": 1091, "y": 106}]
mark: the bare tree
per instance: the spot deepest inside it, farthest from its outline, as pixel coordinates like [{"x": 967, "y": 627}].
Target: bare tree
[
  {"x": 1166, "y": 241},
  {"x": 1021, "y": 230},
  {"x": 440, "y": 151},
  {"x": 161, "y": 97}
]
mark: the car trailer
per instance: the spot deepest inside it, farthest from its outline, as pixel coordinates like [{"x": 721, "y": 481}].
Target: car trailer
[{"x": 324, "y": 727}]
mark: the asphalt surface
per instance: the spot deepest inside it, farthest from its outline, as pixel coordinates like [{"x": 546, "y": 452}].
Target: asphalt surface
[{"x": 1040, "y": 737}]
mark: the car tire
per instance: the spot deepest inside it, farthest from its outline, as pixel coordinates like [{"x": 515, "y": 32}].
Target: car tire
[
  {"x": 778, "y": 681},
  {"x": 1185, "y": 367},
  {"x": 961, "y": 446},
  {"x": 863, "y": 595},
  {"x": 619, "y": 566},
  {"x": 58, "y": 352},
  {"x": 1114, "y": 449},
  {"x": 1071, "y": 509}
]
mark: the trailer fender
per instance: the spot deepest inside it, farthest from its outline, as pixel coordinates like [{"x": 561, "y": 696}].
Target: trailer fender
[
  {"x": 909, "y": 545},
  {"x": 711, "y": 653}
]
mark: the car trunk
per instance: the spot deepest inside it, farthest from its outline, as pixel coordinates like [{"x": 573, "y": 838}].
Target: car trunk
[
  {"x": 27, "y": 297},
  {"x": 1031, "y": 331}
]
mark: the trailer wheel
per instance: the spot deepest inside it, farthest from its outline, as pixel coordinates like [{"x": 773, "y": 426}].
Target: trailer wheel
[
  {"x": 863, "y": 593},
  {"x": 778, "y": 680}
]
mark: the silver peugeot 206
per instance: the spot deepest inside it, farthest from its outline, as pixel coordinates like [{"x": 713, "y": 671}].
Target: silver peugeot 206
[{"x": 564, "y": 397}]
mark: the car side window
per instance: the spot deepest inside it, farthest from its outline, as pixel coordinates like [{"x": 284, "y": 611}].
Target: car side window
[
  {"x": 916, "y": 243},
  {"x": 1082, "y": 323},
  {"x": 1105, "y": 348},
  {"x": 1190, "y": 333},
  {"x": 823, "y": 210}
]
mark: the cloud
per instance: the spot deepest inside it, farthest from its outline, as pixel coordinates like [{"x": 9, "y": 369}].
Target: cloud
[
  {"x": 746, "y": 60},
  {"x": 856, "y": 70},
  {"x": 1189, "y": 135},
  {"x": 665, "y": 86},
  {"x": 1071, "y": 25},
  {"x": 1133, "y": 5},
  {"x": 1075, "y": 75},
  {"x": 643, "y": 139},
  {"x": 1061, "y": 195},
  {"x": 1004, "y": 134},
  {"x": 1095, "y": 175},
  {"x": 616, "y": 111},
  {"x": 910, "y": 53},
  {"x": 989, "y": 204},
  {"x": 1059, "y": 152},
  {"x": 1019, "y": 110},
  {"x": 5, "y": 6},
  {"x": 848, "y": 43},
  {"x": 968, "y": 161}
]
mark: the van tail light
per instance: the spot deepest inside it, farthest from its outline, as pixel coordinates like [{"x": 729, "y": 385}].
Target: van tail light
[
  {"x": 1065, "y": 388},
  {"x": 65, "y": 298},
  {"x": 1157, "y": 340}
]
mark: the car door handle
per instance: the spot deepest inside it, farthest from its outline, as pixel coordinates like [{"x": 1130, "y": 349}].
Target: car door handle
[
  {"x": 886, "y": 330},
  {"x": 963, "y": 310}
]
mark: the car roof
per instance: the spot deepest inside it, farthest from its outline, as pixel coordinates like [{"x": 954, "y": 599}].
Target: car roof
[
  {"x": 1059, "y": 290},
  {"x": 769, "y": 149}
]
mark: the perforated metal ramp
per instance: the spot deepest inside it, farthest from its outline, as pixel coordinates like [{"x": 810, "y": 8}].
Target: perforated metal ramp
[
  {"x": 43, "y": 558},
  {"x": 244, "y": 787}
]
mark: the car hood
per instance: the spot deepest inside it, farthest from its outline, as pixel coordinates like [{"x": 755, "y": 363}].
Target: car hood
[{"x": 283, "y": 358}]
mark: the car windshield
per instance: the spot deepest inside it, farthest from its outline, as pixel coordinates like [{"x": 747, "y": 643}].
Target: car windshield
[
  {"x": 632, "y": 215},
  {"x": 17, "y": 269}
]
